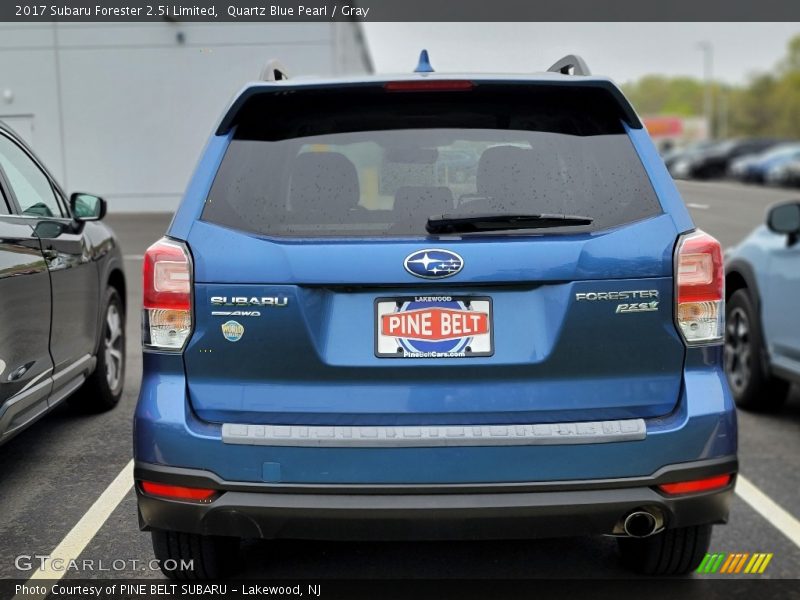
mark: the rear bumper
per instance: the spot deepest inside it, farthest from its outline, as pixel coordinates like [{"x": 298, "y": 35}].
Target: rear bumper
[
  {"x": 397, "y": 512},
  {"x": 168, "y": 432}
]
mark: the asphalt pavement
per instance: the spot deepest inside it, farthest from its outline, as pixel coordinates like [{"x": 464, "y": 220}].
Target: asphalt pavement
[{"x": 51, "y": 474}]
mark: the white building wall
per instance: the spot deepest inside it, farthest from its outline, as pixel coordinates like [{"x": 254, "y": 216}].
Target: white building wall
[{"x": 123, "y": 110}]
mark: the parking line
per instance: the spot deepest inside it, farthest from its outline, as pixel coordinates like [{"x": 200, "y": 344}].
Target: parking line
[
  {"x": 767, "y": 508},
  {"x": 695, "y": 205},
  {"x": 90, "y": 523}
]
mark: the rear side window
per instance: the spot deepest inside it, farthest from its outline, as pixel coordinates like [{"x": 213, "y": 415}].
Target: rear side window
[{"x": 380, "y": 166}]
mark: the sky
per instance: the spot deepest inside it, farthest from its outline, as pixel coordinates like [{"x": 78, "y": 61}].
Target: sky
[{"x": 622, "y": 51}]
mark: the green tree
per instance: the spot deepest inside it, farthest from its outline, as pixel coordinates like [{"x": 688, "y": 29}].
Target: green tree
[
  {"x": 751, "y": 108},
  {"x": 768, "y": 105},
  {"x": 659, "y": 95}
]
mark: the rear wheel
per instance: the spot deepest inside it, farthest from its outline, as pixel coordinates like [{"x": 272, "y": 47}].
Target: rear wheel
[
  {"x": 186, "y": 556},
  {"x": 752, "y": 385},
  {"x": 671, "y": 552},
  {"x": 102, "y": 389}
]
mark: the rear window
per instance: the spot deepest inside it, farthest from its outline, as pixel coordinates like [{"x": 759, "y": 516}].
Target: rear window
[{"x": 381, "y": 164}]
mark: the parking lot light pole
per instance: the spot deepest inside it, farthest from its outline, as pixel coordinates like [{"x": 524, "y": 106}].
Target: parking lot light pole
[
  {"x": 723, "y": 113},
  {"x": 708, "y": 75}
]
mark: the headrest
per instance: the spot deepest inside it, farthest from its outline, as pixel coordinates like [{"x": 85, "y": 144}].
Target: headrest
[
  {"x": 323, "y": 181},
  {"x": 500, "y": 170}
]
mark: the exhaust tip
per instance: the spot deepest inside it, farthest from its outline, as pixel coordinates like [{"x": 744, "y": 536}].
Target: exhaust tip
[{"x": 640, "y": 524}]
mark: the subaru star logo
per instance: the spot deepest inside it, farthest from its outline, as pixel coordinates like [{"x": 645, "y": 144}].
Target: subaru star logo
[{"x": 433, "y": 263}]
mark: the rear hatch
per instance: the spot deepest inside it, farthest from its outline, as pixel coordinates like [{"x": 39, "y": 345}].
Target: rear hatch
[{"x": 321, "y": 298}]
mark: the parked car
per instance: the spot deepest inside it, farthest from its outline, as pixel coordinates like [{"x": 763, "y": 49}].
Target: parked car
[
  {"x": 540, "y": 355},
  {"x": 754, "y": 168},
  {"x": 675, "y": 154},
  {"x": 714, "y": 161},
  {"x": 680, "y": 165},
  {"x": 763, "y": 332},
  {"x": 62, "y": 295},
  {"x": 785, "y": 173}
]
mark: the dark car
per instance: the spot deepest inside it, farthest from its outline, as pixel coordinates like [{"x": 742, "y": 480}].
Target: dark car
[
  {"x": 715, "y": 161},
  {"x": 62, "y": 295},
  {"x": 675, "y": 154}
]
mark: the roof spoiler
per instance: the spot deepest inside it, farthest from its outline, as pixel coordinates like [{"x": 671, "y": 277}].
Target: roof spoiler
[
  {"x": 251, "y": 93},
  {"x": 274, "y": 71},
  {"x": 571, "y": 64}
]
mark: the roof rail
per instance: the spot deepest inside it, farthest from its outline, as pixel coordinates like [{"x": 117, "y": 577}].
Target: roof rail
[
  {"x": 274, "y": 71},
  {"x": 571, "y": 62}
]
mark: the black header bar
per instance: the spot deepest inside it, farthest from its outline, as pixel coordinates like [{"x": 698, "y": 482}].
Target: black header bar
[{"x": 400, "y": 10}]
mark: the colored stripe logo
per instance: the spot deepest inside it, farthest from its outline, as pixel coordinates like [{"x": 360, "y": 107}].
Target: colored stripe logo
[{"x": 735, "y": 563}]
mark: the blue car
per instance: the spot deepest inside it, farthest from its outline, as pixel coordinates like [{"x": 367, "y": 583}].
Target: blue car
[
  {"x": 762, "y": 347},
  {"x": 755, "y": 168},
  {"x": 342, "y": 342}
]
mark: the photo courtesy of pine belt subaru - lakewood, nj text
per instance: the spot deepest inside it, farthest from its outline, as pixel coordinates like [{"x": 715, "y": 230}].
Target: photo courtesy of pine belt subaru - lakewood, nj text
[{"x": 433, "y": 306}]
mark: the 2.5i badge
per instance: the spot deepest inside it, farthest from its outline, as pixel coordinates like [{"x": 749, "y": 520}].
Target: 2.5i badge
[{"x": 433, "y": 327}]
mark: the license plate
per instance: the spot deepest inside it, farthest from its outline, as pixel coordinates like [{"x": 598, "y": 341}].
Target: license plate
[{"x": 433, "y": 327}]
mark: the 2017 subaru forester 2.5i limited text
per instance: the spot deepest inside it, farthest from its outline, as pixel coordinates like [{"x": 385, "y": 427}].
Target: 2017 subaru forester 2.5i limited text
[{"x": 351, "y": 333}]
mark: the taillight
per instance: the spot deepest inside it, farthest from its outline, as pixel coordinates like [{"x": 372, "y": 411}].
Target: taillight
[
  {"x": 167, "y": 306},
  {"x": 700, "y": 286}
]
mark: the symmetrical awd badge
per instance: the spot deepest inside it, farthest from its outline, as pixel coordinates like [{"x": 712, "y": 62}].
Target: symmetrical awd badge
[{"x": 433, "y": 263}]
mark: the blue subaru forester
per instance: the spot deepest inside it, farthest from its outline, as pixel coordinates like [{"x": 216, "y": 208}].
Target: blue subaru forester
[{"x": 433, "y": 307}]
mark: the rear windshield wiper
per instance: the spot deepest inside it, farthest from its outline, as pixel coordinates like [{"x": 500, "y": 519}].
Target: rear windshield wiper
[{"x": 500, "y": 222}]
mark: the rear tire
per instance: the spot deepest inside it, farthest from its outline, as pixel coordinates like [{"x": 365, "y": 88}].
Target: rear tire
[
  {"x": 102, "y": 390},
  {"x": 671, "y": 552},
  {"x": 751, "y": 383},
  {"x": 188, "y": 556}
]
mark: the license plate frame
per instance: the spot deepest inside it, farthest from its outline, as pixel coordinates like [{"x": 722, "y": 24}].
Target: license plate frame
[{"x": 452, "y": 309}]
